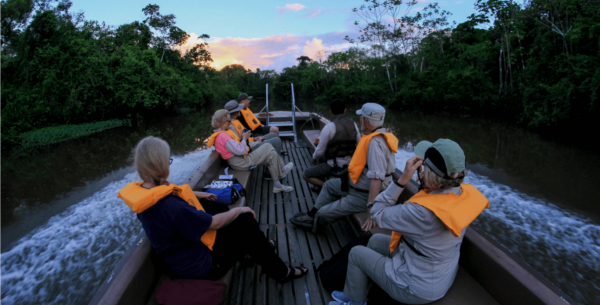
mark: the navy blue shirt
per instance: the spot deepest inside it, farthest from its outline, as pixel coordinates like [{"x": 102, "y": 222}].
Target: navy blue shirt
[{"x": 174, "y": 229}]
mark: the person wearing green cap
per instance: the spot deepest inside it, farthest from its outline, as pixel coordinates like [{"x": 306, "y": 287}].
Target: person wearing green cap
[
  {"x": 418, "y": 263},
  {"x": 370, "y": 171}
]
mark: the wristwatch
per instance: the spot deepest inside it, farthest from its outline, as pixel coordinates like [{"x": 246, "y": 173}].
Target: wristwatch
[{"x": 369, "y": 204}]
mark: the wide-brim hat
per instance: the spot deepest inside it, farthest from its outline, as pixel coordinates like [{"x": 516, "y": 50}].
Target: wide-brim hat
[{"x": 233, "y": 106}]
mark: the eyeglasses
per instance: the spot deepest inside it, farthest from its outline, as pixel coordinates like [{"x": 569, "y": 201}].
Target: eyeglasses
[{"x": 170, "y": 161}]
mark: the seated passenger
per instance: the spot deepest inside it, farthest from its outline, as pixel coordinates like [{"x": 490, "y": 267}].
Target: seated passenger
[
  {"x": 235, "y": 151},
  {"x": 237, "y": 127},
  {"x": 418, "y": 263},
  {"x": 193, "y": 243},
  {"x": 370, "y": 172},
  {"x": 335, "y": 147},
  {"x": 250, "y": 121}
]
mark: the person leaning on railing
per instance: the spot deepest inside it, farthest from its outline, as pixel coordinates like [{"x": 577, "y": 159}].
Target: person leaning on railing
[
  {"x": 235, "y": 151},
  {"x": 418, "y": 263},
  {"x": 194, "y": 243}
]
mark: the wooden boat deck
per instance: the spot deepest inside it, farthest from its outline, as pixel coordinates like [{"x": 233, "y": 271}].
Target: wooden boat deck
[{"x": 295, "y": 246}]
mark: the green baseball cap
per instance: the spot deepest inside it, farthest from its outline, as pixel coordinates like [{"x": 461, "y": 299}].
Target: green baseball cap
[{"x": 443, "y": 156}]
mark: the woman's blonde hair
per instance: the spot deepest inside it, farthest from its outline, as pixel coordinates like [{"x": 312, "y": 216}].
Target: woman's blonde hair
[
  {"x": 435, "y": 182},
  {"x": 151, "y": 160},
  {"x": 219, "y": 118}
]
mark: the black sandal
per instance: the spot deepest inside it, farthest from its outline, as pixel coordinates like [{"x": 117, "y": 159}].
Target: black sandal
[{"x": 292, "y": 275}]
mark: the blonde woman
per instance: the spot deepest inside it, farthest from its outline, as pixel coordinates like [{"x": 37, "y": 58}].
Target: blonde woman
[
  {"x": 418, "y": 263},
  {"x": 235, "y": 151},
  {"x": 193, "y": 243}
]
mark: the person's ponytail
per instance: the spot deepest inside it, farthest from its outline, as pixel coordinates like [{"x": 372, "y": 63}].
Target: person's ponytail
[{"x": 151, "y": 160}]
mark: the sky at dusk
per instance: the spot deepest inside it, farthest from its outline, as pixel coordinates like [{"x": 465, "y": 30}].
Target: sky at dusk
[{"x": 257, "y": 34}]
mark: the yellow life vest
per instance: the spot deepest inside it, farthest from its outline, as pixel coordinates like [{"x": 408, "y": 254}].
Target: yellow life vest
[
  {"x": 239, "y": 128},
  {"x": 359, "y": 159},
  {"x": 213, "y": 137},
  {"x": 140, "y": 199},
  {"x": 456, "y": 212},
  {"x": 250, "y": 118}
]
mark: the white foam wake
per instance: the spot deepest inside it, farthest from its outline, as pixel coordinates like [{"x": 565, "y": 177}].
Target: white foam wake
[
  {"x": 65, "y": 260},
  {"x": 562, "y": 245}
]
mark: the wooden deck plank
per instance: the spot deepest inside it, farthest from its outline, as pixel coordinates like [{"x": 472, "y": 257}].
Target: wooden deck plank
[
  {"x": 260, "y": 296},
  {"x": 286, "y": 292},
  {"x": 256, "y": 189},
  {"x": 272, "y": 291},
  {"x": 299, "y": 285},
  {"x": 311, "y": 277},
  {"x": 295, "y": 246}
]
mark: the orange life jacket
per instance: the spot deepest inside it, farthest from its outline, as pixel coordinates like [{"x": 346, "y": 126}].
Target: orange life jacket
[
  {"x": 140, "y": 199},
  {"x": 456, "y": 212},
  {"x": 239, "y": 128},
  {"x": 359, "y": 159},
  {"x": 250, "y": 118},
  {"x": 213, "y": 137}
]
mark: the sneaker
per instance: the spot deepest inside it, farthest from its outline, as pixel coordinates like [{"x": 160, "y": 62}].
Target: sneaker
[
  {"x": 267, "y": 175},
  {"x": 283, "y": 188},
  {"x": 286, "y": 169},
  {"x": 340, "y": 297},
  {"x": 302, "y": 220}
]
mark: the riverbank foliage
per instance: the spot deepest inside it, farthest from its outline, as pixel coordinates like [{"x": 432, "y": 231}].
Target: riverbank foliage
[
  {"x": 535, "y": 64},
  {"x": 55, "y": 134},
  {"x": 60, "y": 69}
]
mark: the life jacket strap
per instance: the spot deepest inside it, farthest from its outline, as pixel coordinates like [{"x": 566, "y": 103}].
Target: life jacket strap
[{"x": 411, "y": 247}]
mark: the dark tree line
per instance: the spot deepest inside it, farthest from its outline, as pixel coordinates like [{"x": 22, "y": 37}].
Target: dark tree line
[
  {"x": 535, "y": 65},
  {"x": 58, "y": 68}
]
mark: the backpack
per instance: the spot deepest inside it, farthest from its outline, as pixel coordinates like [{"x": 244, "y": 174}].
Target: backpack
[
  {"x": 332, "y": 272},
  {"x": 228, "y": 195}
]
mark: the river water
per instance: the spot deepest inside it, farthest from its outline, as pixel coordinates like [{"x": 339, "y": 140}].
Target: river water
[{"x": 64, "y": 229}]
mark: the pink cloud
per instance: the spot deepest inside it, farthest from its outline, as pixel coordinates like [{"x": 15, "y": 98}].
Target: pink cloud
[
  {"x": 273, "y": 52},
  {"x": 314, "y": 12},
  {"x": 290, "y": 7}
]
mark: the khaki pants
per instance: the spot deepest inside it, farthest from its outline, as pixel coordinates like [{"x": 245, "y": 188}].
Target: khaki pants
[
  {"x": 332, "y": 205},
  {"x": 272, "y": 139},
  {"x": 367, "y": 265},
  {"x": 264, "y": 155}
]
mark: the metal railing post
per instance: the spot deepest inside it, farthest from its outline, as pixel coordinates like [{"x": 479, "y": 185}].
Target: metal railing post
[
  {"x": 294, "y": 114},
  {"x": 267, "y": 105}
]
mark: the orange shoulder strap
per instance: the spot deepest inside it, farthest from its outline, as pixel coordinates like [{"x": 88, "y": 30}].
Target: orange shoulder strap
[
  {"x": 213, "y": 137},
  {"x": 359, "y": 159},
  {"x": 456, "y": 212},
  {"x": 185, "y": 192}
]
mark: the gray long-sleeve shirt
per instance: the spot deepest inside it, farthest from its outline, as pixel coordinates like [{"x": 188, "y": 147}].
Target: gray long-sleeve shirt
[{"x": 428, "y": 277}]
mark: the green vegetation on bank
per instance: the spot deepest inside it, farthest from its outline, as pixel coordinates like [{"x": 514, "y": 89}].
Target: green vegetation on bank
[
  {"x": 60, "y": 69},
  {"x": 55, "y": 134},
  {"x": 534, "y": 64}
]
